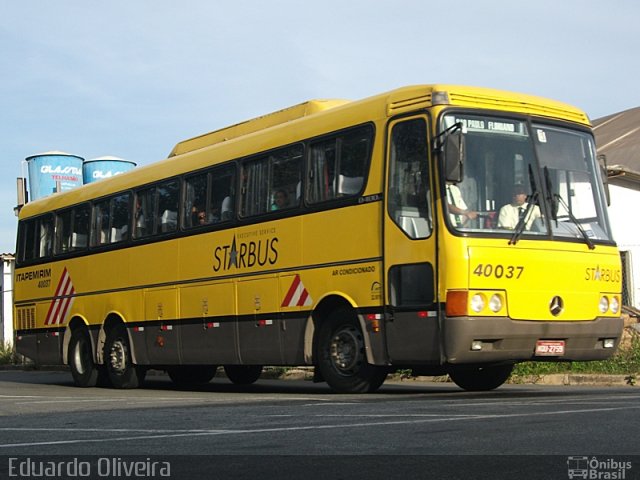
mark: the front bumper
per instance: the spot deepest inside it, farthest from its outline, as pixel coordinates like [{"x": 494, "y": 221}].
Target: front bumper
[{"x": 503, "y": 339}]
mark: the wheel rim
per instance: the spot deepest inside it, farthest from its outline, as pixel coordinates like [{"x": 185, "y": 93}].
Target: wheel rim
[
  {"x": 118, "y": 356},
  {"x": 80, "y": 356},
  {"x": 345, "y": 350}
]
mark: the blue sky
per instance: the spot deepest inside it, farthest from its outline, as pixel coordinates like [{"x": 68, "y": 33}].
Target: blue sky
[{"x": 131, "y": 78}]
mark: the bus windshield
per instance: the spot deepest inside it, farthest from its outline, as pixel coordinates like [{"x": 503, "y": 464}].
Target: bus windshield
[{"x": 526, "y": 179}]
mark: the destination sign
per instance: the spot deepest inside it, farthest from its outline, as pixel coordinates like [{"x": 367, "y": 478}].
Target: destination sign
[{"x": 488, "y": 124}]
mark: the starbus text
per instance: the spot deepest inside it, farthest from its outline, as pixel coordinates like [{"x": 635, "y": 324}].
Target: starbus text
[{"x": 246, "y": 254}]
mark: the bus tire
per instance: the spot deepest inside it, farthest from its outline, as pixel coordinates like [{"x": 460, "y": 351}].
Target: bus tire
[
  {"x": 481, "y": 378},
  {"x": 80, "y": 358},
  {"x": 243, "y": 374},
  {"x": 121, "y": 371},
  {"x": 342, "y": 358},
  {"x": 191, "y": 375}
]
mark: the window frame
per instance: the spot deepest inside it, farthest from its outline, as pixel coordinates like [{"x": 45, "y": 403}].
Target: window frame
[{"x": 369, "y": 134}]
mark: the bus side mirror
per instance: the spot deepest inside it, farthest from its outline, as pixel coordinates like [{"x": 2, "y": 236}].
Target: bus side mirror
[{"x": 454, "y": 156}]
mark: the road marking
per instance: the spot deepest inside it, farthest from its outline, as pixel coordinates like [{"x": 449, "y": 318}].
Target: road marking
[
  {"x": 113, "y": 398},
  {"x": 99, "y": 430},
  {"x": 41, "y": 399},
  {"x": 200, "y": 433}
]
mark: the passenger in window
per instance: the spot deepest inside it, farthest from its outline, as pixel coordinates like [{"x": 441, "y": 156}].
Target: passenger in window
[
  {"x": 513, "y": 212},
  {"x": 138, "y": 216},
  {"x": 280, "y": 200},
  {"x": 226, "y": 209},
  {"x": 198, "y": 216}
]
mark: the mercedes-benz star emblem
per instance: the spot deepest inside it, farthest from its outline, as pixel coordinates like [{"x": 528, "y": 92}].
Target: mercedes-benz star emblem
[{"x": 556, "y": 306}]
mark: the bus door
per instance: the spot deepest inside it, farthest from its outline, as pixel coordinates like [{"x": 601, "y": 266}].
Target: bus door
[{"x": 412, "y": 329}]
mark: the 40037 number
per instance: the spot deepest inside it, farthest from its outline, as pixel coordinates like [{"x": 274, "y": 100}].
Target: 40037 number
[{"x": 498, "y": 271}]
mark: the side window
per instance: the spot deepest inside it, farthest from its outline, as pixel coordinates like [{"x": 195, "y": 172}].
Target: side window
[
  {"x": 286, "y": 178},
  {"x": 167, "y": 211},
  {"x": 63, "y": 231},
  {"x": 44, "y": 247},
  {"x": 100, "y": 230},
  {"x": 353, "y": 162},
  {"x": 72, "y": 229},
  {"x": 222, "y": 197},
  {"x": 144, "y": 212},
  {"x": 156, "y": 209},
  {"x": 81, "y": 223},
  {"x": 255, "y": 187},
  {"x": 272, "y": 182},
  {"x": 408, "y": 192},
  {"x": 26, "y": 239},
  {"x": 111, "y": 220},
  {"x": 36, "y": 238},
  {"x": 322, "y": 173},
  {"x": 338, "y": 165},
  {"x": 120, "y": 207},
  {"x": 195, "y": 205}
]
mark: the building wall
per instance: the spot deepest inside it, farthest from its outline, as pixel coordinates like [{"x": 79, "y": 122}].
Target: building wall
[
  {"x": 623, "y": 214},
  {"x": 6, "y": 300}
]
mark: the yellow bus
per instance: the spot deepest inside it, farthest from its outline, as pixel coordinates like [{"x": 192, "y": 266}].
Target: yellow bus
[{"x": 438, "y": 228}]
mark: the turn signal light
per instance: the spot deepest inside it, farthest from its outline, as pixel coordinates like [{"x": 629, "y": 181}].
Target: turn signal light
[{"x": 457, "y": 301}]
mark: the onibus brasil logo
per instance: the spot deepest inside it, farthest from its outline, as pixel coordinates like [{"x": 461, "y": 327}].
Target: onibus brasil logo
[{"x": 595, "y": 468}]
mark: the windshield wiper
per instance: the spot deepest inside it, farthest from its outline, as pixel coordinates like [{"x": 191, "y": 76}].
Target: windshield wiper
[
  {"x": 522, "y": 222},
  {"x": 582, "y": 231},
  {"x": 531, "y": 202},
  {"x": 552, "y": 197}
]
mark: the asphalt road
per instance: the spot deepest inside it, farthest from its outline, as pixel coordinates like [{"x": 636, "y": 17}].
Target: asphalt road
[{"x": 259, "y": 430}]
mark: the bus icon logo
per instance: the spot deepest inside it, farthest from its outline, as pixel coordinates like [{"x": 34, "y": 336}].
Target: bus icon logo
[
  {"x": 578, "y": 467},
  {"x": 583, "y": 467}
]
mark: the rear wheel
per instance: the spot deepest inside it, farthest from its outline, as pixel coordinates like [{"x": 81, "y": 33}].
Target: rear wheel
[
  {"x": 481, "y": 378},
  {"x": 191, "y": 375},
  {"x": 120, "y": 368},
  {"x": 342, "y": 356},
  {"x": 80, "y": 358},
  {"x": 243, "y": 374}
]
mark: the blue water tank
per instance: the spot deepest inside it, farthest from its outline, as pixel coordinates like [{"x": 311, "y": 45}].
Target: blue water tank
[
  {"x": 52, "y": 172},
  {"x": 104, "y": 167}
]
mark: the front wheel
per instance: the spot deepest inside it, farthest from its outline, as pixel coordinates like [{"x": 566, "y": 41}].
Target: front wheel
[
  {"x": 342, "y": 356},
  {"x": 481, "y": 378},
  {"x": 120, "y": 368},
  {"x": 83, "y": 368}
]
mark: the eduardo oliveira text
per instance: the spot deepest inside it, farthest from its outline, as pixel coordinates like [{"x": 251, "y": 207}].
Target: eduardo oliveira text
[{"x": 107, "y": 467}]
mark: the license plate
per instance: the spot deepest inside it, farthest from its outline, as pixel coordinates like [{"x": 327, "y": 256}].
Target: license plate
[{"x": 549, "y": 348}]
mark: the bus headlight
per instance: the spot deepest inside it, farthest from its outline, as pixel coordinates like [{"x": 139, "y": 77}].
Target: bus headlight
[
  {"x": 495, "y": 303},
  {"x": 604, "y": 304},
  {"x": 614, "y": 305},
  {"x": 478, "y": 302}
]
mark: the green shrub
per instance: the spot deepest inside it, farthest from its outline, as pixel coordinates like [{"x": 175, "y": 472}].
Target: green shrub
[
  {"x": 623, "y": 362},
  {"x": 7, "y": 354}
]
